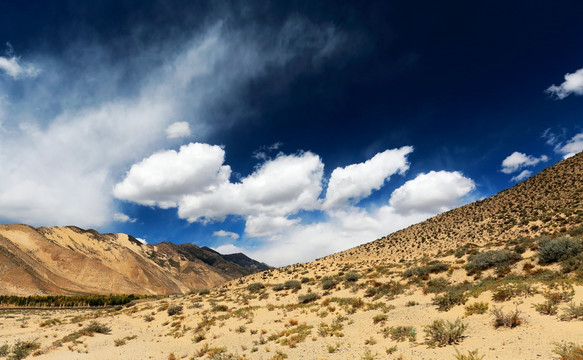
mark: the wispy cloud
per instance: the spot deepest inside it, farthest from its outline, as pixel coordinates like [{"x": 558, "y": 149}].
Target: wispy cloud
[
  {"x": 15, "y": 68},
  {"x": 66, "y": 141}
]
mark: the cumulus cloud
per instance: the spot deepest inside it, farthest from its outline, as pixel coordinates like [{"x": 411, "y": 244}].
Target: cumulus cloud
[
  {"x": 66, "y": 141},
  {"x": 431, "y": 193},
  {"x": 178, "y": 130},
  {"x": 223, "y": 233},
  {"x": 123, "y": 218},
  {"x": 518, "y": 160},
  {"x": 280, "y": 187},
  {"x": 163, "y": 178},
  {"x": 355, "y": 182},
  {"x": 573, "y": 84},
  {"x": 572, "y": 146}
]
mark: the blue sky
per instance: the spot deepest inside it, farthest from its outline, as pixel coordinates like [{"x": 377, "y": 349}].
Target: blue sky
[{"x": 286, "y": 131}]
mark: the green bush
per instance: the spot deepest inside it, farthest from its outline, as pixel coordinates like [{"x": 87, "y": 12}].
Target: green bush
[
  {"x": 22, "y": 349},
  {"x": 95, "y": 327},
  {"x": 255, "y": 287},
  {"x": 572, "y": 312},
  {"x": 450, "y": 299},
  {"x": 307, "y": 298},
  {"x": 569, "y": 351},
  {"x": 277, "y": 287},
  {"x": 351, "y": 276},
  {"x": 4, "y": 349},
  {"x": 476, "y": 308},
  {"x": 441, "y": 333},
  {"x": 553, "y": 250},
  {"x": 489, "y": 259},
  {"x": 328, "y": 282},
  {"x": 509, "y": 320},
  {"x": 472, "y": 355},
  {"x": 292, "y": 284},
  {"x": 402, "y": 333},
  {"x": 174, "y": 309}
]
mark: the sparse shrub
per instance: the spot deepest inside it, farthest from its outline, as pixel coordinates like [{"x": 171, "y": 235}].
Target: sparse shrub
[
  {"x": 328, "y": 282},
  {"x": 204, "y": 292},
  {"x": 220, "y": 307},
  {"x": 433, "y": 267},
  {"x": 549, "y": 307},
  {"x": 174, "y": 310},
  {"x": 472, "y": 355},
  {"x": 95, "y": 327},
  {"x": 442, "y": 333},
  {"x": 351, "y": 276},
  {"x": 148, "y": 318},
  {"x": 255, "y": 287},
  {"x": 553, "y": 250},
  {"x": 305, "y": 280},
  {"x": 379, "y": 318},
  {"x": 436, "y": 285},
  {"x": 510, "y": 291},
  {"x": 4, "y": 349},
  {"x": 450, "y": 299},
  {"x": 401, "y": 333},
  {"x": 411, "y": 303},
  {"x": 572, "y": 312},
  {"x": 307, "y": 298},
  {"x": 476, "y": 308},
  {"x": 277, "y": 287},
  {"x": 292, "y": 284},
  {"x": 22, "y": 349},
  {"x": 509, "y": 320},
  {"x": 489, "y": 259},
  {"x": 569, "y": 351}
]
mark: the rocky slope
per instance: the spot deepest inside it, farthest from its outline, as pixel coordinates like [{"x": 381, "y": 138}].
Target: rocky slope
[{"x": 70, "y": 260}]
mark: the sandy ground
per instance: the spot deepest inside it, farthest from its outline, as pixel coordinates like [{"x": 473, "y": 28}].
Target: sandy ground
[{"x": 255, "y": 324}]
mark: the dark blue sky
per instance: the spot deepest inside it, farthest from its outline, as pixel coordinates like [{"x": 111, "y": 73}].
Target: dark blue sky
[{"x": 90, "y": 90}]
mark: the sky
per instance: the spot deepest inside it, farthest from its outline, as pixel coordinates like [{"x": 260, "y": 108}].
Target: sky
[{"x": 284, "y": 130}]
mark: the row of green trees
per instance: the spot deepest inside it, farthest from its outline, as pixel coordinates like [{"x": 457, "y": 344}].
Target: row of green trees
[{"x": 67, "y": 300}]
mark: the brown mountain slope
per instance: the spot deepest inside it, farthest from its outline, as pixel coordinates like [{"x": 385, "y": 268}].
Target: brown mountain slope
[
  {"x": 549, "y": 201},
  {"x": 67, "y": 260}
]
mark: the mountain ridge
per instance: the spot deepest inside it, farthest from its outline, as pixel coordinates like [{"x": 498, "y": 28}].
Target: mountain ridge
[{"x": 72, "y": 260}]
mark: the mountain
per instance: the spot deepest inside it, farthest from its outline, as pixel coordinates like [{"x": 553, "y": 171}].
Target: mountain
[{"x": 70, "y": 260}]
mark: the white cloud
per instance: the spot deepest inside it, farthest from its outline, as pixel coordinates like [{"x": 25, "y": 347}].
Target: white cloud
[
  {"x": 143, "y": 241},
  {"x": 523, "y": 175},
  {"x": 431, "y": 193},
  {"x": 178, "y": 130},
  {"x": 163, "y": 178},
  {"x": 280, "y": 187},
  {"x": 227, "y": 249},
  {"x": 65, "y": 141},
  {"x": 573, "y": 84},
  {"x": 355, "y": 182},
  {"x": 16, "y": 70},
  {"x": 265, "y": 225},
  {"x": 223, "y": 233},
  {"x": 571, "y": 147},
  {"x": 123, "y": 218},
  {"x": 518, "y": 160}
]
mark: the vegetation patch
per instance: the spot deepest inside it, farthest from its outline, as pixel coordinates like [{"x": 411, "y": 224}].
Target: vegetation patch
[{"x": 441, "y": 333}]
